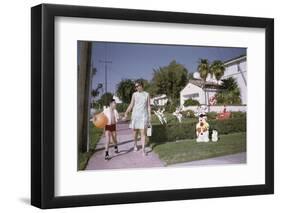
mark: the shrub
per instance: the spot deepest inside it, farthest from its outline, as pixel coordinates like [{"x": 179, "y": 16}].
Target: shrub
[
  {"x": 154, "y": 119},
  {"x": 211, "y": 115},
  {"x": 238, "y": 114},
  {"x": 229, "y": 126},
  {"x": 170, "y": 107},
  {"x": 169, "y": 117},
  {"x": 178, "y": 131},
  {"x": 172, "y": 132},
  {"x": 153, "y": 108},
  {"x": 96, "y": 105},
  {"x": 188, "y": 114},
  {"x": 105, "y": 99},
  {"x": 191, "y": 102},
  {"x": 122, "y": 107}
]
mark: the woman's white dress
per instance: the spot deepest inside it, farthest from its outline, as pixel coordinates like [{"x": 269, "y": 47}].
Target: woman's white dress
[{"x": 139, "y": 119}]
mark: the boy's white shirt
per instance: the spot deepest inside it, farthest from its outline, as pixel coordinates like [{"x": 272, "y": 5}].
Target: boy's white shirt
[{"x": 107, "y": 113}]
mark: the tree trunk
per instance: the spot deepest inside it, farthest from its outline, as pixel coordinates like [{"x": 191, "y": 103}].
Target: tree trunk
[{"x": 83, "y": 94}]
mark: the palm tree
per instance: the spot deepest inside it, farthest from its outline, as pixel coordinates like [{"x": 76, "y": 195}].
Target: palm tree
[
  {"x": 96, "y": 92},
  {"x": 217, "y": 68},
  {"x": 230, "y": 93},
  {"x": 229, "y": 84},
  {"x": 203, "y": 69}
]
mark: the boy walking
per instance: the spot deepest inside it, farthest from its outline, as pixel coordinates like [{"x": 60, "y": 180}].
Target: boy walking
[{"x": 110, "y": 129}]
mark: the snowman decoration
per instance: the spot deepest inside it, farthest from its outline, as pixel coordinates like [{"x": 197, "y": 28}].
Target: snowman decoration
[
  {"x": 201, "y": 110},
  {"x": 178, "y": 114},
  {"x": 214, "y": 135},
  {"x": 202, "y": 129},
  {"x": 161, "y": 116}
]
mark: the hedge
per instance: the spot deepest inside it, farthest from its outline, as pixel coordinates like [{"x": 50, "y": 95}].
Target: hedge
[
  {"x": 212, "y": 115},
  {"x": 238, "y": 114},
  {"x": 188, "y": 113},
  {"x": 179, "y": 131}
]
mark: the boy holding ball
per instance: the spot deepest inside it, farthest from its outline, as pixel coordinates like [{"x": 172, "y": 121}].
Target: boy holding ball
[{"x": 110, "y": 128}]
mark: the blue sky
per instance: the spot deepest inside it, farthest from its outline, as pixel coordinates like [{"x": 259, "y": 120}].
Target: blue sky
[{"x": 130, "y": 60}]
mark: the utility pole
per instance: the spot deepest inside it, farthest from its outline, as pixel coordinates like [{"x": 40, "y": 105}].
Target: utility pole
[
  {"x": 105, "y": 72},
  {"x": 105, "y": 68}
]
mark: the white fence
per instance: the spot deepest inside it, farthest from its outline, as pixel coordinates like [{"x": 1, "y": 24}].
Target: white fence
[{"x": 241, "y": 108}]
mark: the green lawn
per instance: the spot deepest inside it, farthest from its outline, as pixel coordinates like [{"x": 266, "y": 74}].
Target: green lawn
[
  {"x": 95, "y": 135},
  {"x": 190, "y": 150}
]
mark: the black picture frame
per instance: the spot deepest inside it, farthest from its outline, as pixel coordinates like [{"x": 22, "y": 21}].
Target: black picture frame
[{"x": 43, "y": 105}]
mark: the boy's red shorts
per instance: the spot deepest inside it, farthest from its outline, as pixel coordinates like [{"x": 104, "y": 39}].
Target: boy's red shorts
[{"x": 110, "y": 128}]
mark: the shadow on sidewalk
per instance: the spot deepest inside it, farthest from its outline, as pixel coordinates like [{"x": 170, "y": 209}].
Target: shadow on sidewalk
[
  {"x": 122, "y": 152},
  {"x": 111, "y": 145}
]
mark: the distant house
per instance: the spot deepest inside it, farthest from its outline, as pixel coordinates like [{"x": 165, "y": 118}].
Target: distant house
[
  {"x": 160, "y": 100},
  {"x": 117, "y": 100},
  {"x": 194, "y": 90},
  {"x": 236, "y": 68}
]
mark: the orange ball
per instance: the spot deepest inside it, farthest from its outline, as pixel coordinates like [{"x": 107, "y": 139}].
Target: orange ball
[{"x": 100, "y": 120}]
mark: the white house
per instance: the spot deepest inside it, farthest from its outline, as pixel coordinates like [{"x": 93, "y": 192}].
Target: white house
[
  {"x": 236, "y": 68},
  {"x": 160, "y": 100},
  {"x": 194, "y": 90},
  {"x": 117, "y": 99}
]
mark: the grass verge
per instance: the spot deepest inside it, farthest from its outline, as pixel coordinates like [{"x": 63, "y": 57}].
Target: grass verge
[
  {"x": 95, "y": 135},
  {"x": 190, "y": 150}
]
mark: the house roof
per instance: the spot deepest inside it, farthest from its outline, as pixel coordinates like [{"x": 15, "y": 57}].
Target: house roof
[
  {"x": 198, "y": 83},
  {"x": 236, "y": 59}
]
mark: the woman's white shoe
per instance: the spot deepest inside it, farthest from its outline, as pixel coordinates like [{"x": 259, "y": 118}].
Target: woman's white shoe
[{"x": 135, "y": 148}]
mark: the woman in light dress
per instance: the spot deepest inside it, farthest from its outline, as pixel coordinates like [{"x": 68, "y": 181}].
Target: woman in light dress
[{"x": 141, "y": 114}]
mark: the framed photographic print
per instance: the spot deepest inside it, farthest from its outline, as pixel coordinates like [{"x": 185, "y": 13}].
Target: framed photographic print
[{"x": 139, "y": 106}]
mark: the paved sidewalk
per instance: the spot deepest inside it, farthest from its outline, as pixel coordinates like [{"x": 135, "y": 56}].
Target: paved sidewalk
[
  {"x": 239, "y": 158},
  {"x": 126, "y": 158}
]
